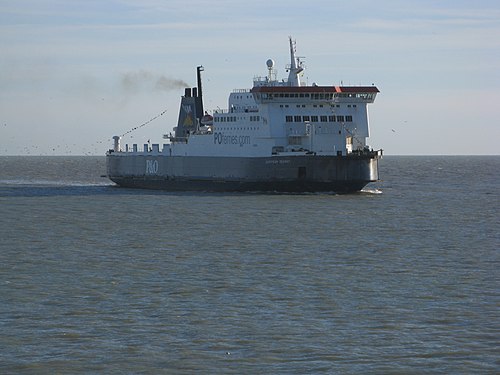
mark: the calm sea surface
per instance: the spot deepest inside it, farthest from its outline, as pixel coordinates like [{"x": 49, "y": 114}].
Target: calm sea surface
[{"x": 401, "y": 279}]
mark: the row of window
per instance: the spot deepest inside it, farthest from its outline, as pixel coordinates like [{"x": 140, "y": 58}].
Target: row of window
[
  {"x": 241, "y": 97},
  {"x": 296, "y": 118},
  {"x": 316, "y": 106},
  {"x": 328, "y": 96},
  {"x": 221, "y": 128},
  {"x": 233, "y": 118},
  {"x": 331, "y": 118}
]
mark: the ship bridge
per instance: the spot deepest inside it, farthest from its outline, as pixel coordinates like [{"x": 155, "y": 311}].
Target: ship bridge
[
  {"x": 270, "y": 94},
  {"x": 269, "y": 89}
]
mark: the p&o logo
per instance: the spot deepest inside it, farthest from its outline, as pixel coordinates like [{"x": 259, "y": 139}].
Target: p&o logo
[{"x": 151, "y": 166}]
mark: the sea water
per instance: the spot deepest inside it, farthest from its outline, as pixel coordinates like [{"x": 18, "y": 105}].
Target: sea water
[{"x": 401, "y": 278}]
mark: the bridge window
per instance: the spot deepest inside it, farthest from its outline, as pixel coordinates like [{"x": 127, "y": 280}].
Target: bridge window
[
  {"x": 348, "y": 118},
  {"x": 289, "y": 118},
  {"x": 297, "y": 118}
]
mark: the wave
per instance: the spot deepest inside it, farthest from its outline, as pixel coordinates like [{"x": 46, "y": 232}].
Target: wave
[
  {"x": 371, "y": 191},
  {"x": 44, "y": 188},
  {"x": 49, "y": 183}
]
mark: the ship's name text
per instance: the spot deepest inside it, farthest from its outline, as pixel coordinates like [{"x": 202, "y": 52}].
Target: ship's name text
[
  {"x": 221, "y": 139},
  {"x": 281, "y": 161}
]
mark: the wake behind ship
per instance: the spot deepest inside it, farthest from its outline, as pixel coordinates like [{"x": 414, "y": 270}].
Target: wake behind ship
[{"x": 281, "y": 135}]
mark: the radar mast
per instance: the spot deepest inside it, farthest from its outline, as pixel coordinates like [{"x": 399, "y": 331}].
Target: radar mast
[{"x": 295, "y": 67}]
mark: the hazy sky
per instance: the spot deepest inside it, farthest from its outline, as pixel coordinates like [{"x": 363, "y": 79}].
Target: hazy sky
[{"x": 73, "y": 73}]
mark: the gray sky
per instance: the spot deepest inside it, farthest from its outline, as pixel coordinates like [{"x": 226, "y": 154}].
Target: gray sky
[{"x": 73, "y": 73}]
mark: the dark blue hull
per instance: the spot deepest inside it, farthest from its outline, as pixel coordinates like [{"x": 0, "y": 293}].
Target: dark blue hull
[{"x": 295, "y": 174}]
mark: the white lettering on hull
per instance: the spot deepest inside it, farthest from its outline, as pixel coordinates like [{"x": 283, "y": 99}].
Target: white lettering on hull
[
  {"x": 151, "y": 166},
  {"x": 277, "y": 161}
]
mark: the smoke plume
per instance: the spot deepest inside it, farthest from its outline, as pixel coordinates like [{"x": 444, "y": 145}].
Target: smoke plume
[{"x": 144, "y": 80}]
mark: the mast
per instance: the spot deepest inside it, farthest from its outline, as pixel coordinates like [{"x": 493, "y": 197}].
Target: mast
[{"x": 295, "y": 67}]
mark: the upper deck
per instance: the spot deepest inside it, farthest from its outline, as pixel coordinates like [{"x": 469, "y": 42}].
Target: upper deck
[{"x": 266, "y": 94}]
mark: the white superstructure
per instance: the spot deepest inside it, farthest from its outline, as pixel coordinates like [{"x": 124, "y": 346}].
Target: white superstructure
[{"x": 277, "y": 117}]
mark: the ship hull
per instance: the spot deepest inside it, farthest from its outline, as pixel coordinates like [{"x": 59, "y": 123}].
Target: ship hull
[{"x": 304, "y": 173}]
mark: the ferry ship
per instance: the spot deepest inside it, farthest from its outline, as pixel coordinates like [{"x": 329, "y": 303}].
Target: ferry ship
[{"x": 279, "y": 136}]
